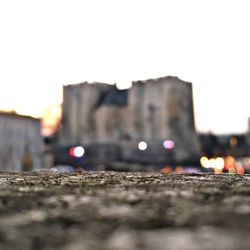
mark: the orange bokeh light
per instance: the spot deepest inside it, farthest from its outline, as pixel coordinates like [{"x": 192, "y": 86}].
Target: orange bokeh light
[
  {"x": 167, "y": 170},
  {"x": 179, "y": 170}
]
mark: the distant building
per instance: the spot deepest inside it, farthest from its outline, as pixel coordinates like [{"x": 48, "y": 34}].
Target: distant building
[
  {"x": 235, "y": 145},
  {"x": 93, "y": 113},
  {"x": 161, "y": 109},
  {"x": 154, "y": 110},
  {"x": 21, "y": 144}
]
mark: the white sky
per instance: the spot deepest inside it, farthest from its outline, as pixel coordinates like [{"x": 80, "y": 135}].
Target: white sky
[{"x": 45, "y": 44}]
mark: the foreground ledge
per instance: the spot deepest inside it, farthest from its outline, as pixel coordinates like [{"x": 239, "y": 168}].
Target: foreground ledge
[{"x": 116, "y": 211}]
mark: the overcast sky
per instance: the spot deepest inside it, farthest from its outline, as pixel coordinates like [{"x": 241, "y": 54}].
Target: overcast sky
[{"x": 45, "y": 44}]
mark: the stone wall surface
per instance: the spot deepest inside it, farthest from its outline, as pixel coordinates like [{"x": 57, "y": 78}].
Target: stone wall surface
[
  {"x": 162, "y": 109},
  {"x": 111, "y": 123},
  {"x": 21, "y": 144},
  {"x": 118, "y": 211},
  {"x": 79, "y": 105},
  {"x": 155, "y": 110}
]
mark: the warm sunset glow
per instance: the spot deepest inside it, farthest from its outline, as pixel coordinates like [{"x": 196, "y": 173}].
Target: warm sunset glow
[{"x": 51, "y": 118}]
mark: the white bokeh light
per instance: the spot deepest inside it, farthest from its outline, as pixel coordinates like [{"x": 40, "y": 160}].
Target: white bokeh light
[
  {"x": 79, "y": 151},
  {"x": 142, "y": 145}
]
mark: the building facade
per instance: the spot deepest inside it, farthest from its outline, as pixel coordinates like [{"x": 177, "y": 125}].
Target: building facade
[
  {"x": 153, "y": 111},
  {"x": 93, "y": 113},
  {"x": 21, "y": 144}
]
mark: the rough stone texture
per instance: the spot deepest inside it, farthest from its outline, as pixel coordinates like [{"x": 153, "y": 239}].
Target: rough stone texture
[{"x": 116, "y": 211}]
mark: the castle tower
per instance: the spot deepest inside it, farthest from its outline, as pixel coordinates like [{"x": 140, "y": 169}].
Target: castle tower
[
  {"x": 79, "y": 104},
  {"x": 162, "y": 109}
]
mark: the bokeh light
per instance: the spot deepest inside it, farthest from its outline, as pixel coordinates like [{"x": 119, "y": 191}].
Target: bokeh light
[
  {"x": 142, "y": 145},
  {"x": 229, "y": 162},
  {"x": 167, "y": 170},
  {"x": 215, "y": 163},
  {"x": 239, "y": 168},
  {"x": 179, "y": 170},
  {"x": 204, "y": 162},
  {"x": 168, "y": 144},
  {"x": 77, "y": 151}
]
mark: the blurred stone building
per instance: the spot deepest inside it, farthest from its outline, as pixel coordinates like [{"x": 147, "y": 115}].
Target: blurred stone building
[
  {"x": 93, "y": 113},
  {"x": 154, "y": 110},
  {"x": 21, "y": 144}
]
